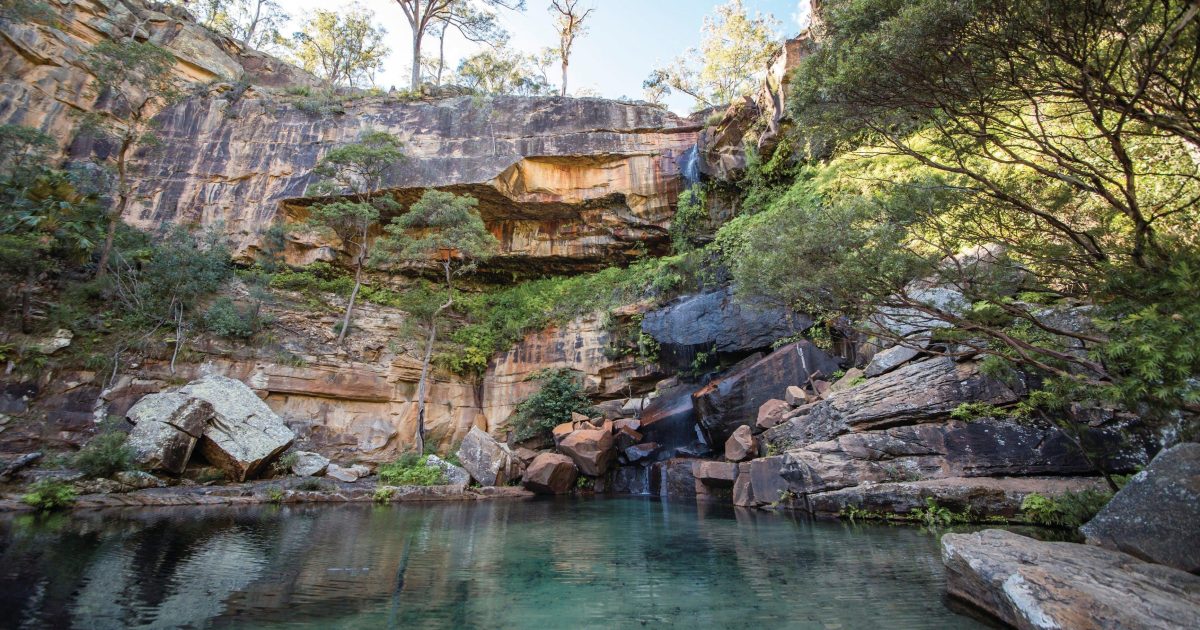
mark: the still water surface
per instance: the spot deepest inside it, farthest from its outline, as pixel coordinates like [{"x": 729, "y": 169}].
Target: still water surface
[{"x": 603, "y": 563}]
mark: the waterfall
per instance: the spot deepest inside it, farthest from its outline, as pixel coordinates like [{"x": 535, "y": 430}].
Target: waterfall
[{"x": 689, "y": 166}]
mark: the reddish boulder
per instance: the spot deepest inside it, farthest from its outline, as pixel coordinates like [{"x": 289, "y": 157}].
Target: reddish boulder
[
  {"x": 592, "y": 450},
  {"x": 626, "y": 437},
  {"x": 741, "y": 445},
  {"x": 562, "y": 431},
  {"x": 551, "y": 473},
  {"x": 795, "y": 395},
  {"x": 629, "y": 423},
  {"x": 771, "y": 413}
]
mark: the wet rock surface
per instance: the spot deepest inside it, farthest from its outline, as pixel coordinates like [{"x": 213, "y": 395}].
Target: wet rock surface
[
  {"x": 1032, "y": 584},
  {"x": 1156, "y": 516}
]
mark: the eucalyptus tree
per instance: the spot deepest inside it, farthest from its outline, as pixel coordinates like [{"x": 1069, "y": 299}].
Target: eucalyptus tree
[
  {"x": 569, "y": 19},
  {"x": 447, "y": 230},
  {"x": 351, "y": 181},
  {"x": 134, "y": 80},
  {"x": 473, "y": 19},
  {"x": 342, "y": 48}
]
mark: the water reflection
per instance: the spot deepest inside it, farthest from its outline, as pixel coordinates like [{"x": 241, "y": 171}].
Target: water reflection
[{"x": 564, "y": 563}]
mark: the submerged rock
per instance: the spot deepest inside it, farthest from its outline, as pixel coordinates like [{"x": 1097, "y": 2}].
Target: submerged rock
[
  {"x": 244, "y": 435},
  {"x": 166, "y": 429},
  {"x": 488, "y": 461},
  {"x": 1032, "y": 584},
  {"x": 1156, "y": 516},
  {"x": 551, "y": 473}
]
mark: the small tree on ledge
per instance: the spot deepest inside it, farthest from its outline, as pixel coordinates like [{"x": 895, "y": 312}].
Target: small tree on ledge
[
  {"x": 355, "y": 171},
  {"x": 445, "y": 228}
]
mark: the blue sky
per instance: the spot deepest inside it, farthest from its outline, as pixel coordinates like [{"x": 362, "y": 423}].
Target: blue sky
[{"x": 626, "y": 40}]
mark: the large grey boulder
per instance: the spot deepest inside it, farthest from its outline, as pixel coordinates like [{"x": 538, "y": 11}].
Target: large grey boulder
[
  {"x": 489, "y": 461},
  {"x": 244, "y": 435},
  {"x": 166, "y": 429},
  {"x": 1031, "y": 584},
  {"x": 717, "y": 321},
  {"x": 455, "y": 475},
  {"x": 1156, "y": 516}
]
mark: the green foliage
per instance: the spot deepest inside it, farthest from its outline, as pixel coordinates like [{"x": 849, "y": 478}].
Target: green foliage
[
  {"x": 440, "y": 226},
  {"x": 313, "y": 485},
  {"x": 411, "y": 470},
  {"x": 227, "y": 319},
  {"x": 732, "y": 58},
  {"x": 318, "y": 277},
  {"x": 690, "y": 216},
  {"x": 178, "y": 270},
  {"x": 934, "y": 515},
  {"x": 971, "y": 411},
  {"x": 342, "y": 48},
  {"x": 49, "y": 494},
  {"x": 1069, "y": 511},
  {"x": 105, "y": 455},
  {"x": 275, "y": 495},
  {"x": 502, "y": 70},
  {"x": 383, "y": 494},
  {"x": 560, "y": 395}
]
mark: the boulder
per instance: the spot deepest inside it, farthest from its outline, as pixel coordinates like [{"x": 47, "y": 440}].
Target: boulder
[
  {"x": 634, "y": 406},
  {"x": 526, "y": 455},
  {"x": 771, "y": 413},
  {"x": 743, "y": 491},
  {"x": 577, "y": 418},
  {"x": 244, "y": 435},
  {"x": 638, "y": 452},
  {"x": 741, "y": 445},
  {"x": 1156, "y": 516},
  {"x": 891, "y": 359},
  {"x": 166, "y": 429},
  {"x": 795, "y": 395},
  {"x": 717, "y": 321},
  {"x": 561, "y": 431},
  {"x": 138, "y": 480},
  {"x": 719, "y": 474},
  {"x": 917, "y": 392},
  {"x": 674, "y": 478},
  {"x": 455, "y": 475},
  {"x": 309, "y": 464},
  {"x": 632, "y": 424},
  {"x": 488, "y": 461},
  {"x": 551, "y": 473},
  {"x": 591, "y": 450},
  {"x": 733, "y": 399},
  {"x": 626, "y": 437},
  {"x": 349, "y": 474},
  {"x": 1031, "y": 584}
]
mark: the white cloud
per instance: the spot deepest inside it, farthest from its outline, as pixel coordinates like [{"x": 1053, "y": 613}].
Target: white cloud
[{"x": 803, "y": 14}]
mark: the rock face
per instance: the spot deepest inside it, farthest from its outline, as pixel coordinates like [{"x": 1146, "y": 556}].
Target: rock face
[
  {"x": 591, "y": 450},
  {"x": 916, "y": 392},
  {"x": 734, "y": 399},
  {"x": 1156, "y": 516},
  {"x": 489, "y": 462},
  {"x": 166, "y": 428},
  {"x": 244, "y": 435},
  {"x": 551, "y": 473},
  {"x": 1031, "y": 584},
  {"x": 715, "y": 321},
  {"x": 980, "y": 496}
]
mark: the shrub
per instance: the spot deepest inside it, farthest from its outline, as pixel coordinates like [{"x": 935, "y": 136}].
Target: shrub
[
  {"x": 1069, "y": 511},
  {"x": 383, "y": 494},
  {"x": 105, "y": 455},
  {"x": 49, "y": 494},
  {"x": 971, "y": 411},
  {"x": 560, "y": 396},
  {"x": 226, "y": 319},
  {"x": 312, "y": 485},
  {"x": 275, "y": 495},
  {"x": 410, "y": 470}
]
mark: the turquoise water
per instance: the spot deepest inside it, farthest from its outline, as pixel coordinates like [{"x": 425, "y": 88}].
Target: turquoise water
[{"x": 610, "y": 563}]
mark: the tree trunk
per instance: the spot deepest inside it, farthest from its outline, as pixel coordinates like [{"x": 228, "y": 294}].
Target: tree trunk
[
  {"x": 564, "y": 85},
  {"x": 253, "y": 23},
  {"x": 350, "y": 305},
  {"x": 441, "y": 55},
  {"x": 416, "y": 61},
  {"x": 114, "y": 218},
  {"x": 422, "y": 385}
]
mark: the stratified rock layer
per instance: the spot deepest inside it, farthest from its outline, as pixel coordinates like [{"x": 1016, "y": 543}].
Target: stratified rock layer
[{"x": 1042, "y": 585}]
